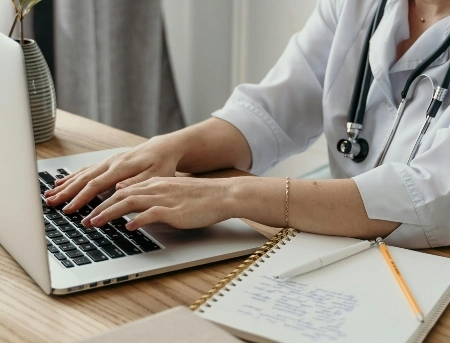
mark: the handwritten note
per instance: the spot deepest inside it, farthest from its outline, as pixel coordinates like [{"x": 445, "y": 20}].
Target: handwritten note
[{"x": 312, "y": 312}]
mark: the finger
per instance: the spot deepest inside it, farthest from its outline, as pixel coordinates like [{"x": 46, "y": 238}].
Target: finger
[
  {"x": 67, "y": 191},
  {"x": 68, "y": 182},
  {"x": 86, "y": 191},
  {"x": 145, "y": 175},
  {"x": 59, "y": 182},
  {"x": 154, "y": 214},
  {"x": 133, "y": 203}
]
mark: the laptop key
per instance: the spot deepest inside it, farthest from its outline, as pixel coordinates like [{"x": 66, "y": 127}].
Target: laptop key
[
  {"x": 67, "y": 263},
  {"x": 60, "y": 256},
  {"x": 114, "y": 236},
  {"x": 49, "y": 243},
  {"x": 95, "y": 235},
  {"x": 46, "y": 177},
  {"x": 107, "y": 229},
  {"x": 87, "y": 230},
  {"x": 60, "y": 240},
  {"x": 66, "y": 228},
  {"x": 73, "y": 234},
  {"x": 119, "y": 221},
  {"x": 67, "y": 247},
  {"x": 102, "y": 242},
  {"x": 62, "y": 171},
  {"x": 127, "y": 246},
  {"x": 112, "y": 251},
  {"x": 49, "y": 227},
  {"x": 53, "y": 216},
  {"x": 81, "y": 260},
  {"x": 97, "y": 256},
  {"x": 87, "y": 247},
  {"x": 74, "y": 217},
  {"x": 52, "y": 249},
  {"x": 53, "y": 234},
  {"x": 80, "y": 240},
  {"x": 59, "y": 176},
  {"x": 84, "y": 211},
  {"x": 94, "y": 202},
  {"x": 48, "y": 210},
  {"x": 60, "y": 221},
  {"x": 74, "y": 253}
]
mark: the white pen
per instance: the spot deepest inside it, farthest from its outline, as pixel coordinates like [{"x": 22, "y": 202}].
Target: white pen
[{"x": 325, "y": 260}]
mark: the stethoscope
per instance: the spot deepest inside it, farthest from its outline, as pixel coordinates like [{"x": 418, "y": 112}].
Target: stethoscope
[{"x": 357, "y": 148}]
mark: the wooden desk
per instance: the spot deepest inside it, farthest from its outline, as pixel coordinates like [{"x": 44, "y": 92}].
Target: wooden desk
[{"x": 28, "y": 315}]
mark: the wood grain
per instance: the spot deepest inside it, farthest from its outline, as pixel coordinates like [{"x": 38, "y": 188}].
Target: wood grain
[{"x": 28, "y": 315}]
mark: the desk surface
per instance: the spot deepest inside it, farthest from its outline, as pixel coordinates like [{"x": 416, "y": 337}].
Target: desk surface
[{"x": 28, "y": 315}]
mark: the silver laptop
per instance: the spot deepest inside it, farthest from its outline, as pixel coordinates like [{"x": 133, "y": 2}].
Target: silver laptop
[{"x": 55, "y": 250}]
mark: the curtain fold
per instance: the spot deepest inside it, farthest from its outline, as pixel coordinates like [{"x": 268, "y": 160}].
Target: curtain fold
[{"x": 111, "y": 64}]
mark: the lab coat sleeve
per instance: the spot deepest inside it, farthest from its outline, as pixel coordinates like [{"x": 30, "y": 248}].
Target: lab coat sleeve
[
  {"x": 283, "y": 114},
  {"x": 420, "y": 194}
]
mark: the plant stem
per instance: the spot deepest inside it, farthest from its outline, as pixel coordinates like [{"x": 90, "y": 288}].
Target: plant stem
[
  {"x": 21, "y": 30},
  {"x": 13, "y": 25}
]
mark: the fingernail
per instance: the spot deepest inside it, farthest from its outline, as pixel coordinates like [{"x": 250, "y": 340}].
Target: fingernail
[
  {"x": 130, "y": 225},
  {"x": 51, "y": 198},
  {"x": 96, "y": 220},
  {"x": 47, "y": 193},
  {"x": 68, "y": 207},
  {"x": 87, "y": 220}
]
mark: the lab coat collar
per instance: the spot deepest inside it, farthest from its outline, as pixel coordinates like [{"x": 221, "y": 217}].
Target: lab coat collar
[{"x": 393, "y": 29}]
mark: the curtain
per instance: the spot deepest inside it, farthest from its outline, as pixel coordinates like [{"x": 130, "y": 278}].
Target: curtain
[{"x": 110, "y": 63}]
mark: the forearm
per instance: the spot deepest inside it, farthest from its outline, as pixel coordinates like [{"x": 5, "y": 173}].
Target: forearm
[
  {"x": 210, "y": 145},
  {"x": 331, "y": 207}
]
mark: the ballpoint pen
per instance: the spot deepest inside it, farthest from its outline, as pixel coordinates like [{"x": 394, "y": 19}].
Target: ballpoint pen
[
  {"x": 393, "y": 267},
  {"x": 325, "y": 260}
]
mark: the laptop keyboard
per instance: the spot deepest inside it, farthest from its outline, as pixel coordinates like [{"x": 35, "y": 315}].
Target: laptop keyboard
[{"x": 74, "y": 245}]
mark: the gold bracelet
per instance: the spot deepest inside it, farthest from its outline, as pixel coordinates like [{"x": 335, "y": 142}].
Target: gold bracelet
[{"x": 287, "y": 202}]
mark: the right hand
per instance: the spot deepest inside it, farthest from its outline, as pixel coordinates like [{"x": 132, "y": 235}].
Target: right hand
[{"x": 153, "y": 158}]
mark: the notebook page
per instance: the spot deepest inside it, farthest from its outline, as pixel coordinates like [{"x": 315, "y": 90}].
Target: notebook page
[{"x": 343, "y": 302}]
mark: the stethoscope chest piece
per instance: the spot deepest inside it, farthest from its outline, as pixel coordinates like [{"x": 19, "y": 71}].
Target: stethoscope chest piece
[{"x": 355, "y": 149}]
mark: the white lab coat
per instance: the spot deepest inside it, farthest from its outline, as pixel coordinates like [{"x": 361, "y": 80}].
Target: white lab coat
[{"x": 309, "y": 90}]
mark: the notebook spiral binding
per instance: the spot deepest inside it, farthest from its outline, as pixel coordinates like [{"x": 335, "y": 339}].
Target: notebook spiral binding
[{"x": 258, "y": 257}]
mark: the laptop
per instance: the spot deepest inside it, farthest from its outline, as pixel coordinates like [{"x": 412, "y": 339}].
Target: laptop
[{"x": 54, "y": 249}]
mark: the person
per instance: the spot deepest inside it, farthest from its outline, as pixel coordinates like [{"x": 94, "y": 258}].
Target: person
[{"x": 306, "y": 93}]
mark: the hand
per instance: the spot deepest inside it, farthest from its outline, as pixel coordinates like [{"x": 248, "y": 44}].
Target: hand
[
  {"x": 153, "y": 158},
  {"x": 181, "y": 202}
]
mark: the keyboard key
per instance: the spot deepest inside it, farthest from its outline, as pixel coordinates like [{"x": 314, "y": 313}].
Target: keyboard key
[
  {"x": 148, "y": 246},
  {"x": 81, "y": 260},
  {"x": 102, "y": 242},
  {"x": 60, "y": 256},
  {"x": 66, "y": 228},
  {"x": 133, "y": 234},
  {"x": 49, "y": 243},
  {"x": 80, "y": 240},
  {"x": 112, "y": 251},
  {"x": 94, "y": 202},
  {"x": 127, "y": 247},
  {"x": 60, "y": 240},
  {"x": 47, "y": 178},
  {"x": 87, "y": 230},
  {"x": 97, "y": 256},
  {"x": 87, "y": 247},
  {"x": 74, "y": 253},
  {"x": 62, "y": 171},
  {"x": 48, "y": 210},
  {"x": 60, "y": 222},
  {"x": 74, "y": 217},
  {"x": 53, "y": 234},
  {"x": 107, "y": 229},
  {"x": 77, "y": 224},
  {"x": 67, "y": 263},
  {"x": 114, "y": 236},
  {"x": 121, "y": 227},
  {"x": 67, "y": 247},
  {"x": 59, "y": 176},
  {"x": 49, "y": 227},
  {"x": 84, "y": 211},
  {"x": 46, "y": 221},
  {"x": 52, "y": 249},
  {"x": 119, "y": 221},
  {"x": 53, "y": 216},
  {"x": 74, "y": 234},
  {"x": 95, "y": 235}
]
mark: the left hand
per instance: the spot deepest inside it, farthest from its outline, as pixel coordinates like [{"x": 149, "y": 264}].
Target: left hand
[{"x": 182, "y": 202}]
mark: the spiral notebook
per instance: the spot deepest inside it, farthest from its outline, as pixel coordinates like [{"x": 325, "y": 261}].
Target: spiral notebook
[{"x": 354, "y": 300}]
